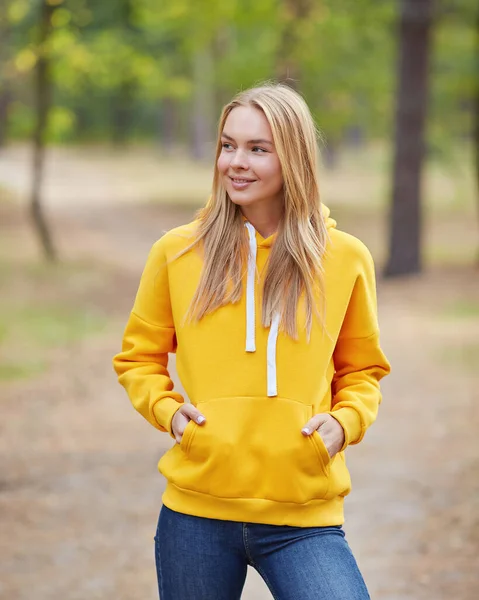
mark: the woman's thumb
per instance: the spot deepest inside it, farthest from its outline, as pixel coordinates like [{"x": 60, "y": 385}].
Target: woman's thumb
[
  {"x": 313, "y": 423},
  {"x": 193, "y": 413}
]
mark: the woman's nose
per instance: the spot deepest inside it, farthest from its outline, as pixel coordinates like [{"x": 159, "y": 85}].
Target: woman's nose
[{"x": 239, "y": 160}]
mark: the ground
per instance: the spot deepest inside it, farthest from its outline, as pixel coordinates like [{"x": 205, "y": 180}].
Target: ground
[{"x": 79, "y": 489}]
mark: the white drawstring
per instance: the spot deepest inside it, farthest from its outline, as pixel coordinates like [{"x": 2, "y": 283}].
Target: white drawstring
[
  {"x": 271, "y": 378},
  {"x": 271, "y": 357},
  {"x": 250, "y": 301}
]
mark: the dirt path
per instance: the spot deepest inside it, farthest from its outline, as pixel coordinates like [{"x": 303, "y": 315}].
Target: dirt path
[{"x": 80, "y": 493}]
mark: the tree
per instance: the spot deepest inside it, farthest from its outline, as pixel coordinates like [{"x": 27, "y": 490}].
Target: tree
[
  {"x": 289, "y": 63},
  {"x": 5, "y": 92},
  {"x": 123, "y": 98},
  {"x": 42, "y": 102},
  {"x": 405, "y": 217},
  {"x": 476, "y": 116}
]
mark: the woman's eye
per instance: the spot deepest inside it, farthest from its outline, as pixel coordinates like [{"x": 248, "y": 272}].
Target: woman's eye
[
  {"x": 257, "y": 148},
  {"x": 226, "y": 146}
]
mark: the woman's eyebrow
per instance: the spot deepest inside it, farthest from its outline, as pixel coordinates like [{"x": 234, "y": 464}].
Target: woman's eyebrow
[{"x": 260, "y": 141}]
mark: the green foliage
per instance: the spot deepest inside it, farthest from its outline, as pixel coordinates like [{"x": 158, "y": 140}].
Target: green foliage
[
  {"x": 113, "y": 64},
  {"x": 21, "y": 120},
  {"x": 348, "y": 80}
]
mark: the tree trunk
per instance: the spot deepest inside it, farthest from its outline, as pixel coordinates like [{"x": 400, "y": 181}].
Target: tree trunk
[
  {"x": 5, "y": 95},
  {"x": 203, "y": 105},
  {"x": 5, "y": 99},
  {"x": 168, "y": 126},
  {"x": 288, "y": 66},
  {"x": 405, "y": 217},
  {"x": 123, "y": 101},
  {"x": 123, "y": 112},
  {"x": 330, "y": 154},
  {"x": 476, "y": 120},
  {"x": 42, "y": 102},
  {"x": 225, "y": 43}
]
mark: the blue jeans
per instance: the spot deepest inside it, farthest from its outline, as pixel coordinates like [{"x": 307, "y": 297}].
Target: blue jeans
[{"x": 206, "y": 559}]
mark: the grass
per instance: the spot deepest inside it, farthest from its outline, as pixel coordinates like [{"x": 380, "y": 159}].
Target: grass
[
  {"x": 465, "y": 356},
  {"x": 48, "y": 326},
  {"x": 11, "y": 371},
  {"x": 28, "y": 331},
  {"x": 462, "y": 350},
  {"x": 7, "y": 196},
  {"x": 41, "y": 272},
  {"x": 463, "y": 309},
  {"x": 443, "y": 255},
  {"x": 44, "y": 307}
]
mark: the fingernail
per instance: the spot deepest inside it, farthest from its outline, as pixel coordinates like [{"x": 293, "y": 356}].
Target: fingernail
[
  {"x": 306, "y": 430},
  {"x": 201, "y": 419}
]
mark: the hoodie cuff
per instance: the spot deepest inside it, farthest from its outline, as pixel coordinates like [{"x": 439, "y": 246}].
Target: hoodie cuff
[
  {"x": 350, "y": 421},
  {"x": 164, "y": 410}
]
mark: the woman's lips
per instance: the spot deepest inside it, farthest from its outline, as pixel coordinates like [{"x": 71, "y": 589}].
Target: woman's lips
[{"x": 239, "y": 183}]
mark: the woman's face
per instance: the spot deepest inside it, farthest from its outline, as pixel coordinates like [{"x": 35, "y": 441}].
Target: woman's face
[{"x": 248, "y": 161}]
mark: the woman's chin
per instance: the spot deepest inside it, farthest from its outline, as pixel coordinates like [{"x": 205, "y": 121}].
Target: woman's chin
[{"x": 241, "y": 198}]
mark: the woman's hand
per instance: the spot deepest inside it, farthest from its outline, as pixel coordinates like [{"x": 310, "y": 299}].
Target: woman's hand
[
  {"x": 330, "y": 430},
  {"x": 182, "y": 417}
]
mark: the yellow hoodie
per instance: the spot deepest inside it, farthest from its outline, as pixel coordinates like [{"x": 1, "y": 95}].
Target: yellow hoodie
[{"x": 257, "y": 387}]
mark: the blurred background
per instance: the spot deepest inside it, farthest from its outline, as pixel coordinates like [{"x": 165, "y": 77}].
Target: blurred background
[{"x": 108, "y": 115}]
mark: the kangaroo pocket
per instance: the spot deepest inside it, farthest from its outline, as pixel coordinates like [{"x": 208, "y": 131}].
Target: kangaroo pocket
[{"x": 251, "y": 447}]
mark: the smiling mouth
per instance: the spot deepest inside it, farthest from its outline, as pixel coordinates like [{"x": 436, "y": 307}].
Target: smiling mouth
[{"x": 242, "y": 180}]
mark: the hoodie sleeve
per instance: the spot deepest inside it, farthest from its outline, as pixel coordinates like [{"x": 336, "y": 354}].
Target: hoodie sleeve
[
  {"x": 149, "y": 336},
  {"x": 358, "y": 359}
]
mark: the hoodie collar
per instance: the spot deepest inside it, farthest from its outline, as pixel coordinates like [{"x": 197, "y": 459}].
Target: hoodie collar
[{"x": 262, "y": 242}]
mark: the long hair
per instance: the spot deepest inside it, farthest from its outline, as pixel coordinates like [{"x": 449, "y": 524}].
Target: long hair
[{"x": 295, "y": 264}]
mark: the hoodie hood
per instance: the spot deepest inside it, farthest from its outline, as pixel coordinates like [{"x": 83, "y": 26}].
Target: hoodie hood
[
  {"x": 262, "y": 242},
  {"x": 330, "y": 222}
]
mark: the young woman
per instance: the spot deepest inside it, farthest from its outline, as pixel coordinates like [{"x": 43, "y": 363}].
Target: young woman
[{"x": 271, "y": 311}]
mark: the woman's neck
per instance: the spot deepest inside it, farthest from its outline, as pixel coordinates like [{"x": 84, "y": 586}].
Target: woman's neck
[{"x": 266, "y": 222}]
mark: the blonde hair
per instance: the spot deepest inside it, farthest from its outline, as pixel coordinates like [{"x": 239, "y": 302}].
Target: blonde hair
[{"x": 295, "y": 264}]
